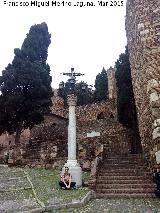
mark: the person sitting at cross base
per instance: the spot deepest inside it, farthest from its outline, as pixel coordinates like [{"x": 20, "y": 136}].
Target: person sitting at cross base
[{"x": 66, "y": 180}]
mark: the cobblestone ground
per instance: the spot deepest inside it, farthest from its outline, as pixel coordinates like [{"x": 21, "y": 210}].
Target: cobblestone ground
[
  {"x": 15, "y": 191},
  {"x": 120, "y": 206},
  {"x": 23, "y": 189}
]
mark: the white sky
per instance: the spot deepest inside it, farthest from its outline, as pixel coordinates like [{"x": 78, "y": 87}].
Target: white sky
[{"x": 87, "y": 38}]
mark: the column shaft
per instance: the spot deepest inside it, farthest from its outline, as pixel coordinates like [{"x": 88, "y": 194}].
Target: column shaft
[{"x": 72, "y": 134}]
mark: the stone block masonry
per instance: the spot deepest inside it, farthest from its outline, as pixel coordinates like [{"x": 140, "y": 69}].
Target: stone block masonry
[{"x": 143, "y": 35}]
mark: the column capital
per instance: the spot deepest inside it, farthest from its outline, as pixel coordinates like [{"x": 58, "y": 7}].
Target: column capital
[{"x": 71, "y": 100}]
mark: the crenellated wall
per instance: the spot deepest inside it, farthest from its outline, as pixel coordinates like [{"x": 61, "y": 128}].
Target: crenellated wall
[{"x": 143, "y": 35}]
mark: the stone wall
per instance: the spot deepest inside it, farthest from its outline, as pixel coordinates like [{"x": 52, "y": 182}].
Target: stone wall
[
  {"x": 40, "y": 146},
  {"x": 92, "y": 112},
  {"x": 50, "y": 138},
  {"x": 5, "y": 138},
  {"x": 48, "y": 147},
  {"x": 116, "y": 139},
  {"x": 97, "y": 129},
  {"x": 7, "y": 142},
  {"x": 48, "y": 143},
  {"x": 143, "y": 34},
  {"x": 104, "y": 109}
]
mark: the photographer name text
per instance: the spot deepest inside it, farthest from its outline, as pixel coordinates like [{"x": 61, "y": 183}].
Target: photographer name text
[{"x": 64, "y": 3}]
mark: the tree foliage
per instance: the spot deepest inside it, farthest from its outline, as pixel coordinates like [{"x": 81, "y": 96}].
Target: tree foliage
[
  {"x": 84, "y": 95},
  {"x": 125, "y": 96},
  {"x": 101, "y": 86},
  {"x": 25, "y": 84},
  {"x": 125, "y": 99}
]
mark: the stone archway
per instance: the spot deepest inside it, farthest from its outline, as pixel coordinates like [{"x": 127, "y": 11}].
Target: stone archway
[{"x": 100, "y": 116}]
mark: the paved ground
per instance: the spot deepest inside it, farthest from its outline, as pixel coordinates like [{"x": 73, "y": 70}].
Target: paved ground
[
  {"x": 121, "y": 206},
  {"x": 15, "y": 191},
  {"x": 23, "y": 189},
  {"x": 117, "y": 206},
  {"x": 26, "y": 189}
]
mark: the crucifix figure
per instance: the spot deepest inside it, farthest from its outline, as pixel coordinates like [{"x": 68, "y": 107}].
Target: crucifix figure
[{"x": 72, "y": 74}]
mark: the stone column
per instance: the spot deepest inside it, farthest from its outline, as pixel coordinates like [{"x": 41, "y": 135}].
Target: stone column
[{"x": 72, "y": 163}]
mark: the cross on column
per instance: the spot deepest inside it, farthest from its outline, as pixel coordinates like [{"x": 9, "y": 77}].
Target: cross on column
[{"x": 72, "y": 163}]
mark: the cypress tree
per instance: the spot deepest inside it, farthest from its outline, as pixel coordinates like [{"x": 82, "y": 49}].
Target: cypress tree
[
  {"x": 101, "y": 86},
  {"x": 25, "y": 84}
]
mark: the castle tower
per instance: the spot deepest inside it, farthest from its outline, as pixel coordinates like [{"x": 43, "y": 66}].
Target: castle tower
[{"x": 112, "y": 83}]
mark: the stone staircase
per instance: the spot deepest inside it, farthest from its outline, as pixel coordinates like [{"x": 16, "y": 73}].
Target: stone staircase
[
  {"x": 47, "y": 144},
  {"x": 39, "y": 152},
  {"x": 124, "y": 177},
  {"x": 33, "y": 151}
]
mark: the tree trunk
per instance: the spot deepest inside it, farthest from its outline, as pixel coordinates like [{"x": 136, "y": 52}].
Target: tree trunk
[{"x": 18, "y": 133}]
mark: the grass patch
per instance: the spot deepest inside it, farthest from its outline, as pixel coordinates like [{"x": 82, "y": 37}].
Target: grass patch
[
  {"x": 46, "y": 185},
  {"x": 85, "y": 176}
]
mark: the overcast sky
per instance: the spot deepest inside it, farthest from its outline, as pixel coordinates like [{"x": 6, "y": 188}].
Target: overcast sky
[{"x": 86, "y": 38}]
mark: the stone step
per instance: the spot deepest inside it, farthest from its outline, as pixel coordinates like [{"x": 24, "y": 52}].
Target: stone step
[
  {"x": 33, "y": 152},
  {"x": 116, "y": 169},
  {"x": 123, "y": 165},
  {"x": 32, "y": 155},
  {"x": 32, "y": 160},
  {"x": 125, "y": 190},
  {"x": 125, "y": 186},
  {"x": 37, "y": 147},
  {"x": 123, "y": 177},
  {"x": 125, "y": 161},
  {"x": 122, "y": 157},
  {"x": 138, "y": 154},
  {"x": 124, "y": 195},
  {"x": 27, "y": 155},
  {"x": 3, "y": 166},
  {"x": 129, "y": 157},
  {"x": 133, "y": 173},
  {"x": 129, "y": 181},
  {"x": 36, "y": 140},
  {"x": 33, "y": 149}
]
